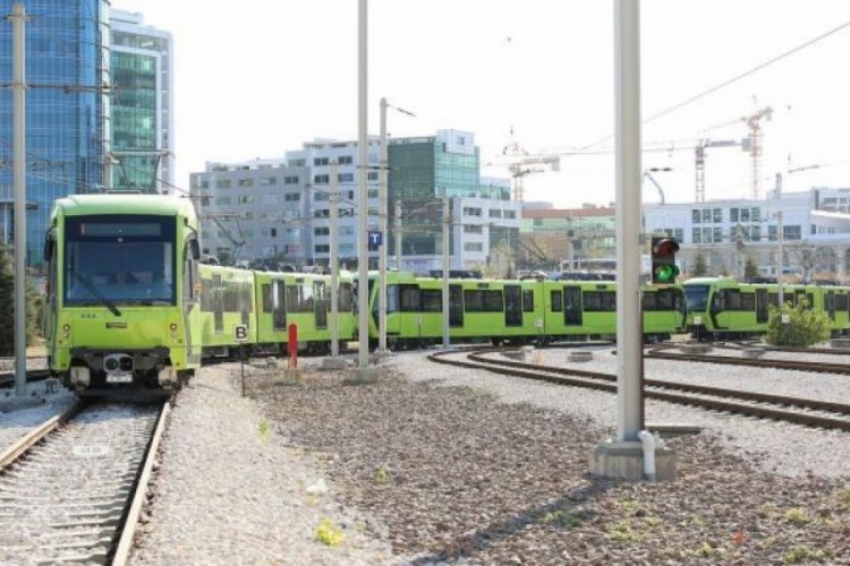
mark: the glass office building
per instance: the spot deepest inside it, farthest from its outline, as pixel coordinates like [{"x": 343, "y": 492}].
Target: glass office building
[
  {"x": 142, "y": 129},
  {"x": 67, "y": 64}
]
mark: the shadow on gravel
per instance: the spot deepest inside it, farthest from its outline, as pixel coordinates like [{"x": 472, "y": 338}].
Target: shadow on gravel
[{"x": 564, "y": 513}]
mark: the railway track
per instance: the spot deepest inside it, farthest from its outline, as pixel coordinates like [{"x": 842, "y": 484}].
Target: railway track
[
  {"x": 807, "y": 412},
  {"x": 71, "y": 491},
  {"x": 798, "y": 365}
]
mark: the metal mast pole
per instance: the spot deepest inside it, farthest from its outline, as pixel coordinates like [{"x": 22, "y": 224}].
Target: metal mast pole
[
  {"x": 398, "y": 235},
  {"x": 781, "y": 235},
  {"x": 333, "y": 261},
  {"x": 362, "y": 197},
  {"x": 628, "y": 174},
  {"x": 446, "y": 259},
  {"x": 383, "y": 173},
  {"x": 18, "y": 19}
]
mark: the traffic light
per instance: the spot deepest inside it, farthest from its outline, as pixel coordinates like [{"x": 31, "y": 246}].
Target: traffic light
[{"x": 664, "y": 269}]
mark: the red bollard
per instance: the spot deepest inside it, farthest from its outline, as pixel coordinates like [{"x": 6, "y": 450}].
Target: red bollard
[{"x": 293, "y": 346}]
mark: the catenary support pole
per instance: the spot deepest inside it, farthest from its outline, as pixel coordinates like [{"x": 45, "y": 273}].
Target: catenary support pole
[
  {"x": 18, "y": 19},
  {"x": 446, "y": 260},
  {"x": 333, "y": 259},
  {"x": 628, "y": 192},
  {"x": 362, "y": 197},
  {"x": 383, "y": 174}
]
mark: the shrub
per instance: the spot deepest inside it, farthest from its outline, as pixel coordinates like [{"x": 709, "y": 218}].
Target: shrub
[{"x": 804, "y": 327}]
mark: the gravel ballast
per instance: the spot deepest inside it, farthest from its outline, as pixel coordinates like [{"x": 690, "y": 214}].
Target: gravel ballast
[{"x": 432, "y": 464}]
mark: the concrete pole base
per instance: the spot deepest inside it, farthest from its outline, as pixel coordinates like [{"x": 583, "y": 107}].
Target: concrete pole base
[
  {"x": 624, "y": 461},
  {"x": 292, "y": 376},
  {"x": 334, "y": 363},
  {"x": 364, "y": 376}
]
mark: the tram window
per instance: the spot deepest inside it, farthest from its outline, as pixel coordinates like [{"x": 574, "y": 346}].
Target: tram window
[
  {"x": 410, "y": 301},
  {"x": 528, "y": 301},
  {"x": 600, "y": 301},
  {"x": 493, "y": 301},
  {"x": 555, "y": 298},
  {"x": 473, "y": 301},
  {"x": 432, "y": 300},
  {"x": 748, "y": 302}
]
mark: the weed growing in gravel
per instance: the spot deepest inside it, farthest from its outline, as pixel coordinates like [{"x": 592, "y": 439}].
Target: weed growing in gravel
[
  {"x": 265, "y": 429},
  {"x": 564, "y": 519},
  {"x": 329, "y": 534},
  {"x": 707, "y": 551},
  {"x": 844, "y": 497},
  {"x": 801, "y": 553},
  {"x": 623, "y": 532},
  {"x": 767, "y": 509},
  {"x": 798, "y": 516},
  {"x": 381, "y": 475}
]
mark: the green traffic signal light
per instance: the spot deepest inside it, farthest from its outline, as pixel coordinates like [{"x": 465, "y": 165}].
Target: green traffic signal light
[
  {"x": 665, "y": 274},
  {"x": 664, "y": 268}
]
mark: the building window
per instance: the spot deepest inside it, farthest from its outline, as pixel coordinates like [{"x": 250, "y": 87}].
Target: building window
[
  {"x": 473, "y": 247},
  {"x": 321, "y": 179},
  {"x": 222, "y": 184},
  {"x": 290, "y": 180},
  {"x": 246, "y": 182},
  {"x": 345, "y": 160},
  {"x": 497, "y": 213},
  {"x": 718, "y": 215},
  {"x": 755, "y": 215},
  {"x": 322, "y": 248},
  {"x": 473, "y": 229},
  {"x": 733, "y": 215},
  {"x": 292, "y": 197},
  {"x": 322, "y": 231},
  {"x": 267, "y": 181},
  {"x": 696, "y": 235},
  {"x": 346, "y": 177},
  {"x": 695, "y": 216},
  {"x": 372, "y": 176},
  {"x": 246, "y": 199},
  {"x": 470, "y": 211},
  {"x": 319, "y": 161},
  {"x": 510, "y": 214}
]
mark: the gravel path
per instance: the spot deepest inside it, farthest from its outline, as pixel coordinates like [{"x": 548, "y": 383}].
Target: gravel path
[{"x": 435, "y": 465}]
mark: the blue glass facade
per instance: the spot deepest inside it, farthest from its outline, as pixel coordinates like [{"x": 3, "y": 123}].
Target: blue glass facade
[{"x": 66, "y": 111}]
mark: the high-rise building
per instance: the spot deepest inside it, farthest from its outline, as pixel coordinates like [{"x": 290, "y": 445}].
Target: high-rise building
[
  {"x": 67, "y": 65},
  {"x": 142, "y": 105}
]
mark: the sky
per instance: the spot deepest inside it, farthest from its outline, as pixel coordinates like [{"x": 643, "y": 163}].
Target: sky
[{"x": 257, "y": 78}]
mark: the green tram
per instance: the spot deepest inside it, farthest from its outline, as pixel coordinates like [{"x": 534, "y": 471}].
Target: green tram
[
  {"x": 122, "y": 292},
  {"x": 722, "y": 308},
  {"x": 516, "y": 312},
  {"x": 265, "y": 304}
]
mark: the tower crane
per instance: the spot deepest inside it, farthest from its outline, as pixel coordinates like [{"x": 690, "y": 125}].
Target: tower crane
[
  {"x": 699, "y": 161},
  {"x": 753, "y": 123},
  {"x": 521, "y": 164}
]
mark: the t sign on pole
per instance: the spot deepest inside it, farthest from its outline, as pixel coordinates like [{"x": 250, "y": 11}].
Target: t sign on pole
[{"x": 240, "y": 333}]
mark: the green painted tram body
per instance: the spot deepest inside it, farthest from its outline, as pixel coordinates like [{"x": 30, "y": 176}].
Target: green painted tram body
[
  {"x": 514, "y": 311},
  {"x": 723, "y": 308},
  {"x": 121, "y": 306},
  {"x": 303, "y": 300},
  {"x": 227, "y": 302}
]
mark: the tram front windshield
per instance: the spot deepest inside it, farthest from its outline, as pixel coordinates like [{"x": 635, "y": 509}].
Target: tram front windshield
[
  {"x": 123, "y": 259},
  {"x": 697, "y": 297}
]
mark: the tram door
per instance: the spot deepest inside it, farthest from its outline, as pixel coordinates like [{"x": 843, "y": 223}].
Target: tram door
[
  {"x": 761, "y": 306},
  {"x": 455, "y": 306},
  {"x": 829, "y": 299},
  {"x": 513, "y": 305},
  {"x": 320, "y": 304},
  {"x": 572, "y": 306}
]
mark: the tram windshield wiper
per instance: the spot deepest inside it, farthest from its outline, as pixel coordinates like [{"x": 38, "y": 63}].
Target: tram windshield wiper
[{"x": 93, "y": 290}]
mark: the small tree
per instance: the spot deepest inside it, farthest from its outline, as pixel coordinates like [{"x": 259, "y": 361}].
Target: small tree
[
  {"x": 750, "y": 268},
  {"x": 700, "y": 266},
  {"x": 7, "y": 305},
  {"x": 804, "y": 327},
  {"x": 33, "y": 301}
]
